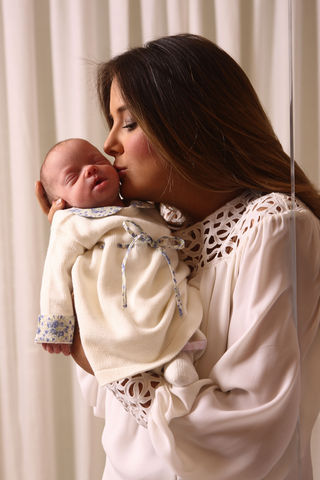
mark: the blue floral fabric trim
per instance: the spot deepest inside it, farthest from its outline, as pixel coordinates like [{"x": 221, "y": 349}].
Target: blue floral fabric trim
[
  {"x": 99, "y": 212},
  {"x": 55, "y": 329}
]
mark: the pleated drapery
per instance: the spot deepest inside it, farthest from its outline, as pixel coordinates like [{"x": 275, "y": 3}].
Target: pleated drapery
[{"x": 48, "y": 54}]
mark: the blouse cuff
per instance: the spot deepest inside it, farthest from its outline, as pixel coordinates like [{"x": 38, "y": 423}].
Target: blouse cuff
[
  {"x": 136, "y": 394},
  {"x": 55, "y": 329}
]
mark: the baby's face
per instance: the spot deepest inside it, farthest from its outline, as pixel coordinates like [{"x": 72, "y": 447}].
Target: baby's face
[{"x": 82, "y": 176}]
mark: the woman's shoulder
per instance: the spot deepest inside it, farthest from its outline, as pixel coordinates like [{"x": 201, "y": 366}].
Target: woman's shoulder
[{"x": 220, "y": 234}]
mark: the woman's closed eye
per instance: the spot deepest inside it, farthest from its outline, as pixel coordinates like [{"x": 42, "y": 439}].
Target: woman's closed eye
[{"x": 130, "y": 125}]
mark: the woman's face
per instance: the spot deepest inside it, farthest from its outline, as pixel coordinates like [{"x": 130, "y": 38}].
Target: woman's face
[{"x": 143, "y": 174}]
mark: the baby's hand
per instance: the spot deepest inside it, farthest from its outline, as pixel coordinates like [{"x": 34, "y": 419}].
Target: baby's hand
[{"x": 64, "y": 348}]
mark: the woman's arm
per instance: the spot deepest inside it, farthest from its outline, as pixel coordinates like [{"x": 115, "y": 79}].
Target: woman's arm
[{"x": 77, "y": 352}]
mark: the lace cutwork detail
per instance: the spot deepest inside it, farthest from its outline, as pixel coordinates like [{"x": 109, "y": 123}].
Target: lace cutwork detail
[
  {"x": 136, "y": 394},
  {"x": 220, "y": 234}
]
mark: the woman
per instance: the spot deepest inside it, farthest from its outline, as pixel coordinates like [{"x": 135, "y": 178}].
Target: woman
[{"x": 188, "y": 131}]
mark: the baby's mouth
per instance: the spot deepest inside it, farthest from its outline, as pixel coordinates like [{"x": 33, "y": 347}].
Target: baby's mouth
[{"x": 98, "y": 181}]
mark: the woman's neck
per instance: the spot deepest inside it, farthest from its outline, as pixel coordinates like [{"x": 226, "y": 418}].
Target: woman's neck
[{"x": 196, "y": 202}]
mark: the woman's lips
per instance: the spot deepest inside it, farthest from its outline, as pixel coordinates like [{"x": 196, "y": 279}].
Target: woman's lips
[{"x": 122, "y": 173}]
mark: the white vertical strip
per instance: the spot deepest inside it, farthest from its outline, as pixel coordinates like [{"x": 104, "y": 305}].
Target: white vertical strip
[
  {"x": 195, "y": 15},
  {"x": 280, "y": 74},
  {"x": 202, "y": 18},
  {"x": 154, "y": 19},
  {"x": 22, "y": 105},
  {"x": 269, "y": 68},
  {"x": 227, "y": 19},
  {"x": 9, "y": 466},
  {"x": 74, "y": 52},
  {"x": 119, "y": 22},
  {"x": 177, "y": 16}
]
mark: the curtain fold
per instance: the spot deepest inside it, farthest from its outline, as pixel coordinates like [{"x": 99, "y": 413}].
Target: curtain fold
[{"x": 48, "y": 55}]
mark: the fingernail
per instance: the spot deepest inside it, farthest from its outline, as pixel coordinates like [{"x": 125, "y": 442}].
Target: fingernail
[{"x": 59, "y": 201}]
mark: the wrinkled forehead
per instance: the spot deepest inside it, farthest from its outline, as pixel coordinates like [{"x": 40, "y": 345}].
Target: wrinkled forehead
[
  {"x": 60, "y": 157},
  {"x": 74, "y": 153}
]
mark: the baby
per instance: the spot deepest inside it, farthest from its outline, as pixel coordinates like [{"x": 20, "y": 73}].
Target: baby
[{"x": 135, "y": 309}]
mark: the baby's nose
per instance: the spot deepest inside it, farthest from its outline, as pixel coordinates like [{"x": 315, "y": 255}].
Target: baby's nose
[{"x": 90, "y": 170}]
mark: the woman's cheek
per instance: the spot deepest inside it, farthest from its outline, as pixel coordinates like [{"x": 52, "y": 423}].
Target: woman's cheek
[{"x": 139, "y": 146}]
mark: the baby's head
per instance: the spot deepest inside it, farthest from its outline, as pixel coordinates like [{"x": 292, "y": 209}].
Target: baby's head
[{"x": 77, "y": 172}]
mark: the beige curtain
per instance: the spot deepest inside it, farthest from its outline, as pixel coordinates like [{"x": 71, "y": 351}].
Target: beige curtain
[{"x": 48, "y": 52}]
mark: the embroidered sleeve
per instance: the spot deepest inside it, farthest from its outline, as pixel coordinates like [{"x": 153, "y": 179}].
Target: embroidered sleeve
[
  {"x": 137, "y": 393},
  {"x": 55, "y": 329}
]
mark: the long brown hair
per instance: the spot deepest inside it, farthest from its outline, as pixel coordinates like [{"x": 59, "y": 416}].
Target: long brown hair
[{"x": 200, "y": 111}]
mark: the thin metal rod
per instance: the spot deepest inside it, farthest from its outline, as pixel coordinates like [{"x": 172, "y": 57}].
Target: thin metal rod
[
  {"x": 292, "y": 165},
  {"x": 291, "y": 112},
  {"x": 293, "y": 207}
]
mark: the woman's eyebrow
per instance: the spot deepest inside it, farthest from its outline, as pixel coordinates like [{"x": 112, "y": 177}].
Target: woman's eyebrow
[
  {"x": 122, "y": 108},
  {"x": 119, "y": 110}
]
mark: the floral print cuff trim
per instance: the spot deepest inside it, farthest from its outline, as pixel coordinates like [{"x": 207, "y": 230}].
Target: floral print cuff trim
[{"x": 55, "y": 329}]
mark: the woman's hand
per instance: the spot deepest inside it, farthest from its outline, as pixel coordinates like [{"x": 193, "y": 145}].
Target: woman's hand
[
  {"x": 48, "y": 209},
  {"x": 77, "y": 352}
]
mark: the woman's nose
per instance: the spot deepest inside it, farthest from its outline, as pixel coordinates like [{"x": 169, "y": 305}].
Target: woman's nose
[{"x": 112, "y": 146}]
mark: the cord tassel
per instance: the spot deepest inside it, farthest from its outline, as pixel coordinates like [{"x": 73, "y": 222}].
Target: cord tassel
[{"x": 166, "y": 241}]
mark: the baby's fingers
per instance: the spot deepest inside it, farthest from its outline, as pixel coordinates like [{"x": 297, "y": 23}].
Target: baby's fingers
[
  {"x": 66, "y": 349},
  {"x": 57, "y": 348},
  {"x": 48, "y": 347}
]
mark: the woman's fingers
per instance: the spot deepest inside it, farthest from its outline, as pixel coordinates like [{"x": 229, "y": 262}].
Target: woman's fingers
[
  {"x": 57, "y": 205},
  {"x": 48, "y": 209}
]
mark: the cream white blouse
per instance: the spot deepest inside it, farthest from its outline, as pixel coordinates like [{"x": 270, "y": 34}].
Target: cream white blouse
[{"x": 258, "y": 396}]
